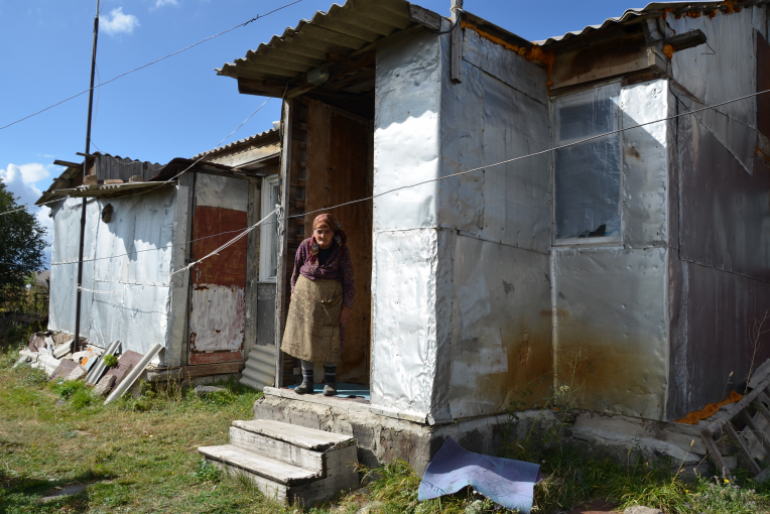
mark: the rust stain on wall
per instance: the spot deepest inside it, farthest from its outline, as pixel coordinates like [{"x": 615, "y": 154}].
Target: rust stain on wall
[
  {"x": 229, "y": 267},
  {"x": 610, "y": 372},
  {"x": 217, "y": 306}
]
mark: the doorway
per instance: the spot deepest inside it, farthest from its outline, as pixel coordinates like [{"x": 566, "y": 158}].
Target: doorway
[{"x": 332, "y": 163}]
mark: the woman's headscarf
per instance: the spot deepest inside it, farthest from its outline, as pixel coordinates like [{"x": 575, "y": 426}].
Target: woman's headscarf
[{"x": 328, "y": 221}]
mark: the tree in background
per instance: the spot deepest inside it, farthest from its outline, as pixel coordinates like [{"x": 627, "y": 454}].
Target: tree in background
[{"x": 21, "y": 246}]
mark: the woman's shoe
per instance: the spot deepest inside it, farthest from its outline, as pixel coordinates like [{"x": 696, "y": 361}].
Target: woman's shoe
[
  {"x": 330, "y": 388},
  {"x": 330, "y": 380},
  {"x": 307, "y": 383}
]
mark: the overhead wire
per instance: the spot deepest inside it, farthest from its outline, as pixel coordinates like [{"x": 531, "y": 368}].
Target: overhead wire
[
  {"x": 481, "y": 168},
  {"x": 138, "y": 68},
  {"x": 163, "y": 183}
]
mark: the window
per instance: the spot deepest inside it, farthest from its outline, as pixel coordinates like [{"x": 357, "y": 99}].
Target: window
[
  {"x": 268, "y": 232},
  {"x": 587, "y": 175}
]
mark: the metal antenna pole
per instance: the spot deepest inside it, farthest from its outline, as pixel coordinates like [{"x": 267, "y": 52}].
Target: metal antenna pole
[{"x": 78, "y": 301}]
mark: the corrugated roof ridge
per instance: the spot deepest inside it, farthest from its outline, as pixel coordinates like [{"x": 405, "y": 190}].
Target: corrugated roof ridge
[
  {"x": 235, "y": 143},
  {"x": 105, "y": 154},
  {"x": 651, "y": 9}
]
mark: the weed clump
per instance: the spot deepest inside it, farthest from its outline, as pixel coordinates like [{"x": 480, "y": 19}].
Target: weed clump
[{"x": 207, "y": 472}]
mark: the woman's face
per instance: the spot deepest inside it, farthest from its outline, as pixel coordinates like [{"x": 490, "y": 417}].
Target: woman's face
[{"x": 323, "y": 236}]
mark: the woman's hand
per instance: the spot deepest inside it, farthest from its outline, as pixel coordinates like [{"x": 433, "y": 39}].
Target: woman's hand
[{"x": 345, "y": 316}]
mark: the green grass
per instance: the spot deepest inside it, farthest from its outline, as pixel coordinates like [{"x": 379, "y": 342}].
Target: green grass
[{"x": 139, "y": 455}]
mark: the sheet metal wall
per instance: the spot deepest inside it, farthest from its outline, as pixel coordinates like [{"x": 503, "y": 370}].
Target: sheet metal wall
[
  {"x": 610, "y": 321},
  {"x": 719, "y": 279},
  {"x": 724, "y": 70},
  {"x": 500, "y": 291},
  {"x": 138, "y": 300},
  {"x": 405, "y": 265},
  {"x": 64, "y": 268},
  {"x": 610, "y": 329}
]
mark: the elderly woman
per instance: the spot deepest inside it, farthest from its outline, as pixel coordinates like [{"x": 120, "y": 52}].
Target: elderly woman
[{"x": 321, "y": 300}]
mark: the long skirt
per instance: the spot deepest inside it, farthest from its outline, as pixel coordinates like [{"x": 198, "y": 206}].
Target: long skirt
[{"x": 313, "y": 326}]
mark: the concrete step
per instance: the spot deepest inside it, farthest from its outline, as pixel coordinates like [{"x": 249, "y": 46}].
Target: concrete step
[
  {"x": 259, "y": 465},
  {"x": 303, "y": 437},
  {"x": 287, "y": 462},
  {"x": 278, "y": 450}
]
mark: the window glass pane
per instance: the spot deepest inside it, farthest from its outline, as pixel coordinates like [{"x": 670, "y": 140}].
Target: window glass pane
[{"x": 588, "y": 174}]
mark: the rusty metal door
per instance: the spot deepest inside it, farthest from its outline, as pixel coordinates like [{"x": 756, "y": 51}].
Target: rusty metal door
[{"x": 217, "y": 305}]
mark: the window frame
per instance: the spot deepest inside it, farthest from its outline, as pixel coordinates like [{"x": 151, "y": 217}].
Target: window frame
[
  {"x": 614, "y": 240},
  {"x": 268, "y": 241}
]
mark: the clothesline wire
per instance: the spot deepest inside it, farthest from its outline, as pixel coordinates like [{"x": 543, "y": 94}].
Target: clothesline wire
[
  {"x": 482, "y": 168},
  {"x": 149, "y": 64},
  {"x": 211, "y": 254}
]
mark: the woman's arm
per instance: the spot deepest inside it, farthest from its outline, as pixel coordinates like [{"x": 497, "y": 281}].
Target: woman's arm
[{"x": 299, "y": 260}]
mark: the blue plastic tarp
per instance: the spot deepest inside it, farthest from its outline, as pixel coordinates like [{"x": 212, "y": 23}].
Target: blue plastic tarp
[{"x": 508, "y": 482}]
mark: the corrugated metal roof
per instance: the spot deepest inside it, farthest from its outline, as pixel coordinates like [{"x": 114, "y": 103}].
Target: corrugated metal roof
[
  {"x": 238, "y": 143},
  {"x": 343, "y": 30},
  {"x": 653, "y": 9},
  {"x": 129, "y": 159}
]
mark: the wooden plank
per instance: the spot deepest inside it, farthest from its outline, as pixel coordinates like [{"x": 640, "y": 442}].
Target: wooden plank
[
  {"x": 186, "y": 372},
  {"x": 748, "y": 459},
  {"x": 715, "y": 428},
  {"x": 686, "y": 40},
  {"x": 761, "y": 435},
  {"x": 253, "y": 215},
  {"x": 425, "y": 17},
  {"x": 456, "y": 52},
  {"x": 260, "y": 87},
  {"x": 716, "y": 456},
  {"x": 281, "y": 298},
  {"x": 68, "y": 164}
]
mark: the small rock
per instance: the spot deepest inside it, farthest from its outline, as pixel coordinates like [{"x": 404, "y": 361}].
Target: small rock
[
  {"x": 77, "y": 373},
  {"x": 642, "y": 510},
  {"x": 477, "y": 507},
  {"x": 104, "y": 385},
  {"x": 204, "y": 390},
  {"x": 69, "y": 490}
]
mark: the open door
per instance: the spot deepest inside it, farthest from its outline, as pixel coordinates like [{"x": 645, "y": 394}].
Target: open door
[{"x": 331, "y": 162}]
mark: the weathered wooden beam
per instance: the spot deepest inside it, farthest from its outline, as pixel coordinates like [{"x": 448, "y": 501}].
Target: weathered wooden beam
[
  {"x": 187, "y": 372},
  {"x": 424, "y": 17},
  {"x": 456, "y": 51},
  {"x": 260, "y": 87},
  {"x": 686, "y": 40},
  {"x": 68, "y": 164}
]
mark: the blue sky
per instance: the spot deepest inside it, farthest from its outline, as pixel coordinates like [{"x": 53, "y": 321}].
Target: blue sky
[{"x": 178, "y": 107}]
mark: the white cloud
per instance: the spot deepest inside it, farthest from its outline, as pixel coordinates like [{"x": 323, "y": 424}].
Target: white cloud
[
  {"x": 119, "y": 23},
  {"x": 161, "y": 3},
  {"x": 20, "y": 180}
]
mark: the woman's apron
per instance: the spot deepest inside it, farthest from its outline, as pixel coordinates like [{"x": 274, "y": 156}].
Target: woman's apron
[{"x": 313, "y": 326}]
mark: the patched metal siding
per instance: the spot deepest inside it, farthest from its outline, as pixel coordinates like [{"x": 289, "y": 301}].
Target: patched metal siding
[{"x": 217, "y": 305}]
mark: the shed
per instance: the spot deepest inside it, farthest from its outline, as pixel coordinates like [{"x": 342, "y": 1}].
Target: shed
[
  {"x": 144, "y": 224},
  {"x": 626, "y": 270}
]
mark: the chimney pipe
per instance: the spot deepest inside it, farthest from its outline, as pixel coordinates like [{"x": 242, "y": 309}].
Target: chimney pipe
[{"x": 457, "y": 7}]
